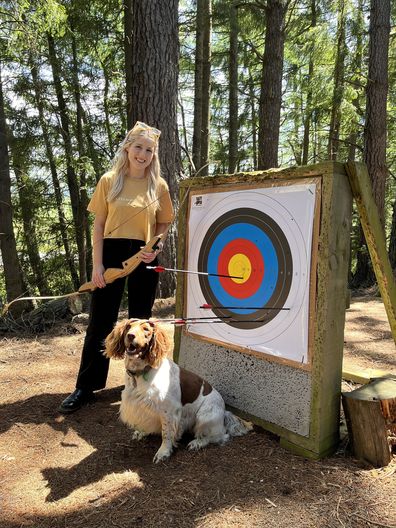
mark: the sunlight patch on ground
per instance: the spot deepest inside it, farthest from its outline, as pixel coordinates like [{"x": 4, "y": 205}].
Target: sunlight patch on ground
[
  {"x": 271, "y": 514},
  {"x": 30, "y": 495}
]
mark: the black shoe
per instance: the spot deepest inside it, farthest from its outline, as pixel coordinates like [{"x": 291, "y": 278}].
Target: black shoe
[{"x": 76, "y": 400}]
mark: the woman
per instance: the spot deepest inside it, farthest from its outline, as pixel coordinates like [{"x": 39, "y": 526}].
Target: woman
[{"x": 131, "y": 204}]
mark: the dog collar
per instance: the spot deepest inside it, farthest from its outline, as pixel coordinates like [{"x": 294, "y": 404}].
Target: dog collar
[{"x": 136, "y": 373}]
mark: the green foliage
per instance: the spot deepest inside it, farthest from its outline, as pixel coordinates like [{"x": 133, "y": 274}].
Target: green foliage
[
  {"x": 96, "y": 30},
  {"x": 34, "y": 19}
]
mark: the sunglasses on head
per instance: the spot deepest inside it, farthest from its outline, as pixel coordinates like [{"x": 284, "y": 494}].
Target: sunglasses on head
[{"x": 151, "y": 130}]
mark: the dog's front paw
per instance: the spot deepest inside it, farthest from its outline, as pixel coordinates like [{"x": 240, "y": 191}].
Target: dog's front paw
[
  {"x": 194, "y": 445},
  {"x": 138, "y": 435},
  {"x": 162, "y": 454}
]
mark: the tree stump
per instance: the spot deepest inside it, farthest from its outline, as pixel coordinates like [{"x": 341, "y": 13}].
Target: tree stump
[{"x": 370, "y": 413}]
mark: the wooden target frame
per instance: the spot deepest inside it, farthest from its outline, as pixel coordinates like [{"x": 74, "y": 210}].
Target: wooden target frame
[{"x": 295, "y": 397}]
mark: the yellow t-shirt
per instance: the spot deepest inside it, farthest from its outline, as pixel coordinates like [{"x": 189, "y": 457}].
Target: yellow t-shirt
[{"x": 129, "y": 215}]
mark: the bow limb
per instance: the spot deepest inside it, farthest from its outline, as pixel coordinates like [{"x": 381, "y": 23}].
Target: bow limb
[{"x": 128, "y": 266}]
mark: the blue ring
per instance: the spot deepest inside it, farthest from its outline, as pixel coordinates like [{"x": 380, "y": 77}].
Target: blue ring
[{"x": 271, "y": 267}]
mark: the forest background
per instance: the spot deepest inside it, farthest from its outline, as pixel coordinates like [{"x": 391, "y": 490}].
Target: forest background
[{"x": 232, "y": 85}]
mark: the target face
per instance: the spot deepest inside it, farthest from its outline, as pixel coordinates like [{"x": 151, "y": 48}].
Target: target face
[
  {"x": 255, "y": 246},
  {"x": 248, "y": 245}
]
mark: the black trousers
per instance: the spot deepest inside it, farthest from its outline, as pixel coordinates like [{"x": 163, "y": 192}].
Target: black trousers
[{"x": 105, "y": 304}]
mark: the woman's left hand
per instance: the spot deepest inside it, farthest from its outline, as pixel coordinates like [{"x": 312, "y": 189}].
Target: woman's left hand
[{"x": 147, "y": 258}]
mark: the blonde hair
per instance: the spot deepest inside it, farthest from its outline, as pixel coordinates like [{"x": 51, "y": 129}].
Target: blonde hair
[{"x": 120, "y": 163}]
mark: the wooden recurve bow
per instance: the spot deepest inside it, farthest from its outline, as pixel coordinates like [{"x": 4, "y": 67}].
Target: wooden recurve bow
[{"x": 128, "y": 266}]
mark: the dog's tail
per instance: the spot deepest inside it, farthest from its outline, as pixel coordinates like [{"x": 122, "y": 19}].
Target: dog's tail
[{"x": 235, "y": 426}]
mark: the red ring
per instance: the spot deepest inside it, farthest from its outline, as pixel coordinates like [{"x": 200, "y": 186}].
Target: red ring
[{"x": 241, "y": 290}]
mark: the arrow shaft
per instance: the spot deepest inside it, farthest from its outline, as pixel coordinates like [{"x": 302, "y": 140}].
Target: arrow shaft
[
  {"x": 193, "y": 272},
  {"x": 244, "y": 308},
  {"x": 182, "y": 322},
  {"x": 209, "y": 319}
]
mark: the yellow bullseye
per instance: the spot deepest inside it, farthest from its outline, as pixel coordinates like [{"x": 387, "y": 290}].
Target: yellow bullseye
[{"x": 240, "y": 266}]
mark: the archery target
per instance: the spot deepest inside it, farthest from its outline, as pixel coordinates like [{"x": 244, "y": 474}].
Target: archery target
[
  {"x": 248, "y": 244},
  {"x": 256, "y": 247}
]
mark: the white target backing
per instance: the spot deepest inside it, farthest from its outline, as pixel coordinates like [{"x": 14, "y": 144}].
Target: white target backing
[{"x": 261, "y": 237}]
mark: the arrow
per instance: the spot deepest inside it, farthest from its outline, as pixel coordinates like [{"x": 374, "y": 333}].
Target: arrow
[
  {"x": 180, "y": 322},
  {"x": 160, "y": 269},
  {"x": 191, "y": 320},
  {"x": 206, "y": 320},
  {"x": 211, "y": 307}
]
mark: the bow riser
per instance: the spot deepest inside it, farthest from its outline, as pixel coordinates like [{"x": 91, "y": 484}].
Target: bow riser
[{"x": 129, "y": 265}]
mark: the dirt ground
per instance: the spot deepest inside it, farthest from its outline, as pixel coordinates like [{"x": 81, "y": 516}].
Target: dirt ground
[{"x": 84, "y": 470}]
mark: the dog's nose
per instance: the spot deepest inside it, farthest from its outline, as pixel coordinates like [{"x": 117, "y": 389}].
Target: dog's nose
[{"x": 131, "y": 337}]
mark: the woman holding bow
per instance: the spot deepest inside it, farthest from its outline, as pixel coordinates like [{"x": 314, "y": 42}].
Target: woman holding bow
[{"x": 131, "y": 204}]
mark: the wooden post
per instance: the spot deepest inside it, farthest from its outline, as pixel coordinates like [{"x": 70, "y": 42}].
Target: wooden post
[{"x": 375, "y": 237}]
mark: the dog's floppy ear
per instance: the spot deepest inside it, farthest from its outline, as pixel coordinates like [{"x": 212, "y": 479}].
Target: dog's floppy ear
[
  {"x": 161, "y": 345},
  {"x": 114, "y": 342}
]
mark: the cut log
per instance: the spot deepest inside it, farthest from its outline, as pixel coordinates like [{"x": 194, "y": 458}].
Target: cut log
[
  {"x": 370, "y": 413},
  {"x": 46, "y": 315}
]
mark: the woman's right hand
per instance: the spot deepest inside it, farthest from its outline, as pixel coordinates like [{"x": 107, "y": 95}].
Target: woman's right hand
[{"x": 97, "y": 276}]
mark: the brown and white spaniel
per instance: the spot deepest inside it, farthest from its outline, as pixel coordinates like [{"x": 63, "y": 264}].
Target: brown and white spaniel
[{"x": 162, "y": 398}]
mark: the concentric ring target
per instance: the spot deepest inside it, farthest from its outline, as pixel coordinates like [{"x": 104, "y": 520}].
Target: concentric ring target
[
  {"x": 248, "y": 244},
  {"x": 262, "y": 237}
]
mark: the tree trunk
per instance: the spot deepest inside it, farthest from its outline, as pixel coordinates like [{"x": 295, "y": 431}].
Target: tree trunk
[
  {"x": 377, "y": 92},
  {"x": 202, "y": 86},
  {"x": 357, "y": 32},
  {"x": 271, "y": 84},
  {"x": 206, "y": 87},
  {"x": 233, "y": 93},
  {"x": 154, "y": 94},
  {"x": 14, "y": 282},
  {"x": 294, "y": 141},
  {"x": 25, "y": 191},
  {"x": 128, "y": 51},
  {"x": 392, "y": 241},
  {"x": 338, "y": 91},
  {"x": 54, "y": 174},
  {"x": 83, "y": 158},
  {"x": 308, "y": 104},
  {"x": 184, "y": 133},
  {"x": 73, "y": 184},
  {"x": 122, "y": 117},
  {"x": 253, "y": 112},
  {"x": 196, "y": 144},
  {"x": 92, "y": 152},
  {"x": 376, "y": 119},
  {"x": 107, "y": 111},
  {"x": 315, "y": 123}
]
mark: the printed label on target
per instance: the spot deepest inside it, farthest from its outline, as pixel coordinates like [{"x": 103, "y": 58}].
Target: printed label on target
[{"x": 256, "y": 247}]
